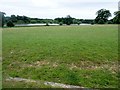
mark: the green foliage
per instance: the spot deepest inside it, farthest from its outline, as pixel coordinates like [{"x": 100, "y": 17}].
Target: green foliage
[
  {"x": 88, "y": 21},
  {"x": 47, "y": 24},
  {"x": 101, "y": 21},
  {"x": 13, "y": 18},
  {"x": 20, "y": 22},
  {"x": 93, "y": 22},
  {"x": 116, "y": 19},
  {"x": 18, "y": 19},
  {"x": 55, "y": 21},
  {"x": 68, "y": 20},
  {"x": 60, "y": 23},
  {"x": 33, "y": 21},
  {"x": 10, "y": 24},
  {"x": 78, "y": 22},
  {"x": 23, "y": 18},
  {"x": 110, "y": 22},
  {"x": 102, "y": 15}
]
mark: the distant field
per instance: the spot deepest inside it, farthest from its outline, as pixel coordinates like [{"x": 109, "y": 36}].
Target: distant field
[{"x": 78, "y": 55}]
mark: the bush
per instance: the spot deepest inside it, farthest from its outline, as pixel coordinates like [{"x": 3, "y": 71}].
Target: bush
[
  {"x": 20, "y": 22},
  {"x": 110, "y": 22},
  {"x": 10, "y": 24},
  {"x": 33, "y": 21},
  {"x": 92, "y": 23},
  {"x": 78, "y": 23},
  {"x": 47, "y": 24},
  {"x": 68, "y": 23},
  {"x": 101, "y": 21},
  {"x": 60, "y": 23}
]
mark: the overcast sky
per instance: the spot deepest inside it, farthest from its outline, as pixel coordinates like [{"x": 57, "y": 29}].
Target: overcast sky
[{"x": 84, "y": 9}]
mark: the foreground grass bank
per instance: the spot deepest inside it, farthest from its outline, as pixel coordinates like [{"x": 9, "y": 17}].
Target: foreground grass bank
[{"x": 77, "y": 55}]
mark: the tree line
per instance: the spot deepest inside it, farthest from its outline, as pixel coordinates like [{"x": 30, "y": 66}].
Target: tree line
[{"x": 101, "y": 18}]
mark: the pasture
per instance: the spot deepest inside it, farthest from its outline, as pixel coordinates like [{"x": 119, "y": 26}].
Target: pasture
[{"x": 76, "y": 55}]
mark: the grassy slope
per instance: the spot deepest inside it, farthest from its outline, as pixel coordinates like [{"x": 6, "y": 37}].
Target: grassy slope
[{"x": 62, "y": 54}]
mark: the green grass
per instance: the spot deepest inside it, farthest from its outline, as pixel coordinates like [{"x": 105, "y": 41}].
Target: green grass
[
  {"x": 78, "y": 55},
  {"x": 0, "y": 58},
  {"x": 22, "y": 84},
  {"x": 0, "y": 75}
]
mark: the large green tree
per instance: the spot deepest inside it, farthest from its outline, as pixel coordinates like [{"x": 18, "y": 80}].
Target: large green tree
[
  {"x": 65, "y": 20},
  {"x": 116, "y": 19},
  {"x": 68, "y": 20},
  {"x": 13, "y": 18},
  {"x": 103, "y": 15}
]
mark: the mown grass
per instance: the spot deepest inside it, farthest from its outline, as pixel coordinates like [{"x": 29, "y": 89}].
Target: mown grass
[
  {"x": 0, "y": 58},
  {"x": 77, "y": 55}
]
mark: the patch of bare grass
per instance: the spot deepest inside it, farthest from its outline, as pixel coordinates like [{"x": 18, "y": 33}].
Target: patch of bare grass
[{"x": 88, "y": 65}]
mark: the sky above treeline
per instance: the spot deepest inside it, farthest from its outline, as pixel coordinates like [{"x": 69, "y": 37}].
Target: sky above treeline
[{"x": 82, "y": 9}]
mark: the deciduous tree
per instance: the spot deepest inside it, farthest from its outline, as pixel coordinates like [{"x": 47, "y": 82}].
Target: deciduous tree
[
  {"x": 102, "y": 14},
  {"x": 116, "y": 19}
]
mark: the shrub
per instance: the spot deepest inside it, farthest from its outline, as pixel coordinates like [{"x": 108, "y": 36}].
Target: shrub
[
  {"x": 10, "y": 24},
  {"x": 60, "y": 23},
  {"x": 20, "y": 22},
  {"x": 33, "y": 21},
  {"x": 101, "y": 21},
  {"x": 78, "y": 23},
  {"x": 110, "y": 22},
  {"x": 47, "y": 24},
  {"x": 92, "y": 23}
]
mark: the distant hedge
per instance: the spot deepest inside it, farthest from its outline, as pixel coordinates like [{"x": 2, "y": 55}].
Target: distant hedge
[{"x": 10, "y": 24}]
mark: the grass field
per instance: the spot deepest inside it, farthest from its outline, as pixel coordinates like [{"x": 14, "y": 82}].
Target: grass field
[
  {"x": 0, "y": 58},
  {"x": 77, "y": 55}
]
